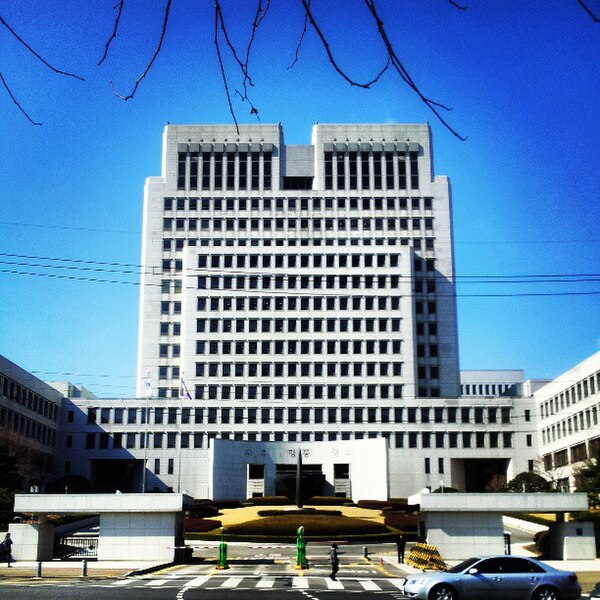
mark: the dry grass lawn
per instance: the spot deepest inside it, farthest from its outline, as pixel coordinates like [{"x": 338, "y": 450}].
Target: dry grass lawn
[{"x": 231, "y": 516}]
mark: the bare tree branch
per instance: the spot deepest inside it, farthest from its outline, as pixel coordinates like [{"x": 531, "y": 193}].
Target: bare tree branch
[
  {"x": 457, "y": 5},
  {"x": 38, "y": 56},
  {"x": 113, "y": 36},
  {"x": 261, "y": 12},
  {"x": 301, "y": 38},
  {"x": 332, "y": 60},
  {"x": 401, "y": 70},
  {"x": 16, "y": 101},
  {"x": 222, "y": 67},
  {"x": 154, "y": 56},
  {"x": 595, "y": 18}
]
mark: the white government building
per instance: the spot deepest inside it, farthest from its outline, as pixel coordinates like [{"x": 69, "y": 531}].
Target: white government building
[{"x": 305, "y": 294}]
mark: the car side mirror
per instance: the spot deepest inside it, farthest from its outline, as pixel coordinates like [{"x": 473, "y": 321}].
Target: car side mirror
[{"x": 472, "y": 571}]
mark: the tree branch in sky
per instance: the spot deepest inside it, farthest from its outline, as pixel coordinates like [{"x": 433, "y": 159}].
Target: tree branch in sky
[
  {"x": 151, "y": 62},
  {"x": 113, "y": 36},
  {"x": 16, "y": 101},
  {"x": 38, "y": 56},
  {"x": 588, "y": 10}
]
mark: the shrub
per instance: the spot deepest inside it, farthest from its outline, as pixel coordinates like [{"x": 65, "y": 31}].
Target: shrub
[
  {"x": 327, "y": 501},
  {"x": 445, "y": 490},
  {"x": 301, "y": 511},
  {"x": 400, "y": 520},
  {"x": 202, "y": 511},
  {"x": 220, "y": 504},
  {"x": 193, "y": 524},
  {"x": 382, "y": 504},
  {"x": 268, "y": 501},
  {"x": 314, "y": 525}
]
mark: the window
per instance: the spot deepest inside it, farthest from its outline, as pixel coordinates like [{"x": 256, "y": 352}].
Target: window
[
  {"x": 414, "y": 171},
  {"x": 181, "y": 159}
]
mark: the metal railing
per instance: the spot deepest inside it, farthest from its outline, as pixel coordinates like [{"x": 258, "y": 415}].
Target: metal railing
[{"x": 77, "y": 547}]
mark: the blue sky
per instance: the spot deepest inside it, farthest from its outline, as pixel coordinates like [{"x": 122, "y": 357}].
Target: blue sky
[{"x": 523, "y": 78}]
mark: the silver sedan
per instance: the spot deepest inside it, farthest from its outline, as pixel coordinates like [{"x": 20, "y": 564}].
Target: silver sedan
[{"x": 495, "y": 577}]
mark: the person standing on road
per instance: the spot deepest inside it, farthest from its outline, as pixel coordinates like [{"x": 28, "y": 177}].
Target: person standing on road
[
  {"x": 401, "y": 543},
  {"x": 335, "y": 561},
  {"x": 6, "y": 548}
]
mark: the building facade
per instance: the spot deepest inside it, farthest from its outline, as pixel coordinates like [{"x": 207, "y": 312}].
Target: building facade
[
  {"x": 305, "y": 297},
  {"x": 29, "y": 423},
  {"x": 569, "y": 409}
]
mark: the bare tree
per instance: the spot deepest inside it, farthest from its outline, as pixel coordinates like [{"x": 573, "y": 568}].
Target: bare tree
[{"x": 241, "y": 56}]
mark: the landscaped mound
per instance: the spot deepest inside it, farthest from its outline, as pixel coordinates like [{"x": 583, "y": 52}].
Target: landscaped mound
[{"x": 314, "y": 526}]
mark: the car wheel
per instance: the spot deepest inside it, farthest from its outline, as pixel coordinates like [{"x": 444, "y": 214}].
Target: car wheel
[
  {"x": 442, "y": 592},
  {"x": 546, "y": 593}
]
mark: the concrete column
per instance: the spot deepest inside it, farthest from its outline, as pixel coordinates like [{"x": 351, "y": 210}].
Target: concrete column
[{"x": 32, "y": 541}]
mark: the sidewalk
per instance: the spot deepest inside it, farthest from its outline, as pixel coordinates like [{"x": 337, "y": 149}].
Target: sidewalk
[{"x": 70, "y": 569}]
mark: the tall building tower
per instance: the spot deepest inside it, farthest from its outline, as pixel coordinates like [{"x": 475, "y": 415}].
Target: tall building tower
[
  {"x": 305, "y": 295},
  {"x": 317, "y": 273}
]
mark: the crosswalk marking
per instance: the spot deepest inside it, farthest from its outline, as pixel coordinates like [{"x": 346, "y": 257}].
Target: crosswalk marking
[
  {"x": 197, "y": 582},
  {"x": 334, "y": 584},
  {"x": 123, "y": 582},
  {"x": 370, "y": 585},
  {"x": 232, "y": 582},
  {"x": 397, "y": 583},
  {"x": 157, "y": 582},
  {"x": 300, "y": 582},
  {"x": 265, "y": 583}
]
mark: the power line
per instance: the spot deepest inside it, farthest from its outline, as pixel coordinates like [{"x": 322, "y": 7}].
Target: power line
[{"x": 295, "y": 294}]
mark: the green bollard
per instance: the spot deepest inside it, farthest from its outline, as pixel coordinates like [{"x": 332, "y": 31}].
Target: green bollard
[
  {"x": 222, "y": 552},
  {"x": 301, "y": 562}
]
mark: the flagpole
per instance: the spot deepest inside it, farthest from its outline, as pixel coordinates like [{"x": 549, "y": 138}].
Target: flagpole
[{"x": 148, "y": 389}]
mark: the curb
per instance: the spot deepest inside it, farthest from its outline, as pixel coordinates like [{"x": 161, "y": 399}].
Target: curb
[{"x": 147, "y": 570}]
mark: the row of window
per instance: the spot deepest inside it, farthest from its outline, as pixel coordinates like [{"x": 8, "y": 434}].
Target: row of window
[
  {"x": 371, "y": 171},
  {"x": 304, "y": 369},
  {"x": 574, "y": 454},
  {"x": 485, "y": 389},
  {"x": 268, "y": 204},
  {"x": 302, "y": 303},
  {"x": 293, "y": 282},
  {"x": 224, "y": 171},
  {"x": 179, "y": 243},
  {"x": 11, "y": 390},
  {"x": 305, "y": 415},
  {"x": 197, "y": 439},
  {"x": 341, "y": 224},
  {"x": 576, "y": 393},
  {"x": 18, "y": 423},
  {"x": 290, "y": 261},
  {"x": 292, "y": 347},
  {"x": 314, "y": 325},
  {"x": 581, "y": 421}
]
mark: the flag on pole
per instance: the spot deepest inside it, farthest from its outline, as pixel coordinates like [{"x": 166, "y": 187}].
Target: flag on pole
[
  {"x": 184, "y": 393},
  {"x": 148, "y": 387}
]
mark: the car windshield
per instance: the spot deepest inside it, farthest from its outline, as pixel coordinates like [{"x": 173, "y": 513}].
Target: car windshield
[{"x": 463, "y": 566}]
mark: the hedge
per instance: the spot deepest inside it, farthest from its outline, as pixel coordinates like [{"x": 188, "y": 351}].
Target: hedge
[
  {"x": 400, "y": 520},
  {"x": 327, "y": 501},
  {"x": 383, "y": 504},
  {"x": 269, "y": 501},
  {"x": 192, "y": 524},
  {"x": 314, "y": 525},
  {"x": 300, "y": 511}
]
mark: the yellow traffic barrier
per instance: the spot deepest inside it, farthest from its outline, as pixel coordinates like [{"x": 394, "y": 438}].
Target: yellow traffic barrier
[{"x": 426, "y": 556}]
